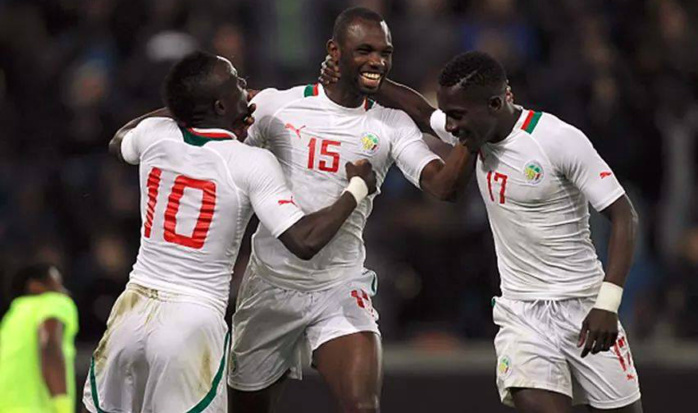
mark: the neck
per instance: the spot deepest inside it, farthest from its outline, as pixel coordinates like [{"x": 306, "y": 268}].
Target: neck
[
  {"x": 211, "y": 123},
  {"x": 508, "y": 119},
  {"x": 344, "y": 95}
]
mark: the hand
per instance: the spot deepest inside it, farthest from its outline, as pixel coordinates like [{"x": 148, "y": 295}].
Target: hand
[
  {"x": 329, "y": 71},
  {"x": 364, "y": 170},
  {"x": 240, "y": 127},
  {"x": 251, "y": 93},
  {"x": 599, "y": 331}
]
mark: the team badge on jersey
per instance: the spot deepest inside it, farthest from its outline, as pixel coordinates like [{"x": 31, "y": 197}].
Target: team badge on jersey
[
  {"x": 533, "y": 171},
  {"x": 369, "y": 143},
  {"x": 504, "y": 366}
]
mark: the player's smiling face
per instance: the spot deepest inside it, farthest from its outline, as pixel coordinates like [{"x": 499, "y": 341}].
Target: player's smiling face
[
  {"x": 366, "y": 55},
  {"x": 469, "y": 113}
]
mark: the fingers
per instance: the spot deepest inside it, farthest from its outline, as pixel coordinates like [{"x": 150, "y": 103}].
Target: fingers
[
  {"x": 589, "y": 344},
  {"x": 583, "y": 333}
]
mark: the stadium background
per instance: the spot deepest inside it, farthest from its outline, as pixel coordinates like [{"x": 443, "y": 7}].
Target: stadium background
[{"x": 624, "y": 71}]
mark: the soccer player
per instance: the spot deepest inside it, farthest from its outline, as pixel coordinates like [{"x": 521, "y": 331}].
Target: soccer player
[
  {"x": 289, "y": 310},
  {"x": 536, "y": 175},
  {"x": 166, "y": 338},
  {"x": 37, "y": 349}
]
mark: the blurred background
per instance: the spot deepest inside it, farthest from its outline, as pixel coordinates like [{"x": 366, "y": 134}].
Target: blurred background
[{"x": 624, "y": 71}]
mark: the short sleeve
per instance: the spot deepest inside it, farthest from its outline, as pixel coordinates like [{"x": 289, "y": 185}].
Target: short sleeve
[
  {"x": 574, "y": 156},
  {"x": 271, "y": 199},
  {"x": 266, "y": 106},
  {"x": 60, "y": 307},
  {"x": 410, "y": 152},
  {"x": 138, "y": 140},
  {"x": 437, "y": 121}
]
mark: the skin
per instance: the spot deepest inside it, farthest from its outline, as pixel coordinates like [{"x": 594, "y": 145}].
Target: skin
[
  {"x": 230, "y": 110},
  {"x": 366, "y": 47},
  {"x": 50, "y": 332},
  {"x": 481, "y": 114},
  {"x": 488, "y": 115}
]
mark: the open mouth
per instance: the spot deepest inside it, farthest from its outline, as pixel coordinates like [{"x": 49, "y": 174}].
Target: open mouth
[{"x": 371, "y": 80}]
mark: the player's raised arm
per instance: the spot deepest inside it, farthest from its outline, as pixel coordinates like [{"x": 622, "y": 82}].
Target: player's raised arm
[{"x": 115, "y": 143}]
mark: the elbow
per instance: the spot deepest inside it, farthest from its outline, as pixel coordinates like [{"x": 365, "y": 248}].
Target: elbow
[{"x": 447, "y": 195}]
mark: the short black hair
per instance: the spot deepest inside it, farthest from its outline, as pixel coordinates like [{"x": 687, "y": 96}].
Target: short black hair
[
  {"x": 473, "y": 68},
  {"x": 349, "y": 16},
  {"x": 20, "y": 280},
  {"x": 187, "y": 90}
]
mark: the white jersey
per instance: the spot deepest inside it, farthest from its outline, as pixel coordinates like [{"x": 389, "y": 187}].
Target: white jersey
[
  {"x": 536, "y": 185},
  {"x": 313, "y": 138},
  {"x": 198, "y": 191}
]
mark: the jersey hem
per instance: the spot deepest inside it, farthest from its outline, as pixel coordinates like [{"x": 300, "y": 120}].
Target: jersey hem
[
  {"x": 279, "y": 280},
  {"x": 180, "y": 293}
]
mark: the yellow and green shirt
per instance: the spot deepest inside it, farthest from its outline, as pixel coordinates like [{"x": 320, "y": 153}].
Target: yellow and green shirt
[{"x": 22, "y": 387}]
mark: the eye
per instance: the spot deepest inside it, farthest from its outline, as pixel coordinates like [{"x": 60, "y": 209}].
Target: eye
[
  {"x": 387, "y": 53},
  {"x": 363, "y": 51}
]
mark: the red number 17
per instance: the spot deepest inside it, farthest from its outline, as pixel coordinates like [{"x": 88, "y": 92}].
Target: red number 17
[{"x": 503, "y": 187}]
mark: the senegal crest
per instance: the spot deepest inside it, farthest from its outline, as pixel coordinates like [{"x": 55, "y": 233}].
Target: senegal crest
[
  {"x": 369, "y": 143},
  {"x": 533, "y": 172}
]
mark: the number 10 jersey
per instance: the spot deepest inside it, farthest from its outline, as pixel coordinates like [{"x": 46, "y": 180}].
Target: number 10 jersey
[{"x": 199, "y": 188}]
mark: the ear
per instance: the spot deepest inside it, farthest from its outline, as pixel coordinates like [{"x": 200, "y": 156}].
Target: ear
[
  {"x": 219, "y": 107},
  {"x": 333, "y": 49},
  {"x": 495, "y": 103}
]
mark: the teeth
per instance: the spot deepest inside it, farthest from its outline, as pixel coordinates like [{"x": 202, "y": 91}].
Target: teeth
[{"x": 372, "y": 76}]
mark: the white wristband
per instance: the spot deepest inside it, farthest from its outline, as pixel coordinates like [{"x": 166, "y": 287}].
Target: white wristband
[
  {"x": 358, "y": 188},
  {"x": 609, "y": 297}
]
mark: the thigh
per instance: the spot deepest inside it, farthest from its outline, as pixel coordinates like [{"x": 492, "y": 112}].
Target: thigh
[
  {"x": 352, "y": 367},
  {"x": 528, "y": 353},
  {"x": 633, "y": 408},
  {"x": 540, "y": 401},
  {"x": 119, "y": 360},
  {"x": 186, "y": 354},
  {"x": 606, "y": 380},
  {"x": 268, "y": 327},
  {"x": 260, "y": 401}
]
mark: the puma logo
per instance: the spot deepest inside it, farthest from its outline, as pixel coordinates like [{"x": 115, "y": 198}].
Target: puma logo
[
  {"x": 286, "y": 201},
  {"x": 293, "y": 128},
  {"x": 605, "y": 174}
]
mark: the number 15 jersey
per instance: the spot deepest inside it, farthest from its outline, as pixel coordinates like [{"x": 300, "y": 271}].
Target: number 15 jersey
[
  {"x": 199, "y": 188},
  {"x": 313, "y": 138}
]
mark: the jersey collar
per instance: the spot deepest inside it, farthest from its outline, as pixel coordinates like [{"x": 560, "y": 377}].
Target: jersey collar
[
  {"x": 362, "y": 108},
  {"x": 201, "y": 136}
]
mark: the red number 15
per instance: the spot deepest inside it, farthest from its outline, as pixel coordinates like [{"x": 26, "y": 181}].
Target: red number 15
[
  {"x": 208, "y": 203},
  {"x": 323, "y": 165}
]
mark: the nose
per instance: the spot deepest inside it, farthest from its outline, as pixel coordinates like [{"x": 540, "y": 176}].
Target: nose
[{"x": 377, "y": 61}]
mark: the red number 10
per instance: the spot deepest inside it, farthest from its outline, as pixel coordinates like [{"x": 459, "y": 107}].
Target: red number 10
[
  {"x": 208, "y": 203},
  {"x": 502, "y": 188}
]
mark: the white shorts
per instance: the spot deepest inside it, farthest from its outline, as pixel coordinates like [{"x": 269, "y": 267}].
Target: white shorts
[
  {"x": 275, "y": 330},
  {"x": 537, "y": 349},
  {"x": 161, "y": 352}
]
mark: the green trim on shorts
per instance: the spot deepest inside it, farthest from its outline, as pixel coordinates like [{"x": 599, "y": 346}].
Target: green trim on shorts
[
  {"x": 93, "y": 386},
  {"x": 206, "y": 401}
]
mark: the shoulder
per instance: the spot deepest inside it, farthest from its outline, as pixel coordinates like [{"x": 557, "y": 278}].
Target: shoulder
[
  {"x": 57, "y": 305},
  {"x": 157, "y": 124},
  {"x": 269, "y": 99},
  {"x": 556, "y": 135}
]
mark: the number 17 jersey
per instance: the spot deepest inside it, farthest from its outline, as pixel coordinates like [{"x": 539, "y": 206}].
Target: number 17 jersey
[
  {"x": 199, "y": 188},
  {"x": 313, "y": 138}
]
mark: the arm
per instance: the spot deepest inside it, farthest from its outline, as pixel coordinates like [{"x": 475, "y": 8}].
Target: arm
[
  {"x": 398, "y": 96},
  {"x": 312, "y": 232},
  {"x": 115, "y": 143},
  {"x": 446, "y": 180},
  {"x": 53, "y": 367}
]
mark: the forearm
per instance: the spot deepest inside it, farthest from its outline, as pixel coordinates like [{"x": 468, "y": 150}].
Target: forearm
[
  {"x": 398, "y": 96},
  {"x": 312, "y": 232},
  {"x": 621, "y": 247},
  {"x": 53, "y": 369},
  {"x": 447, "y": 180}
]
